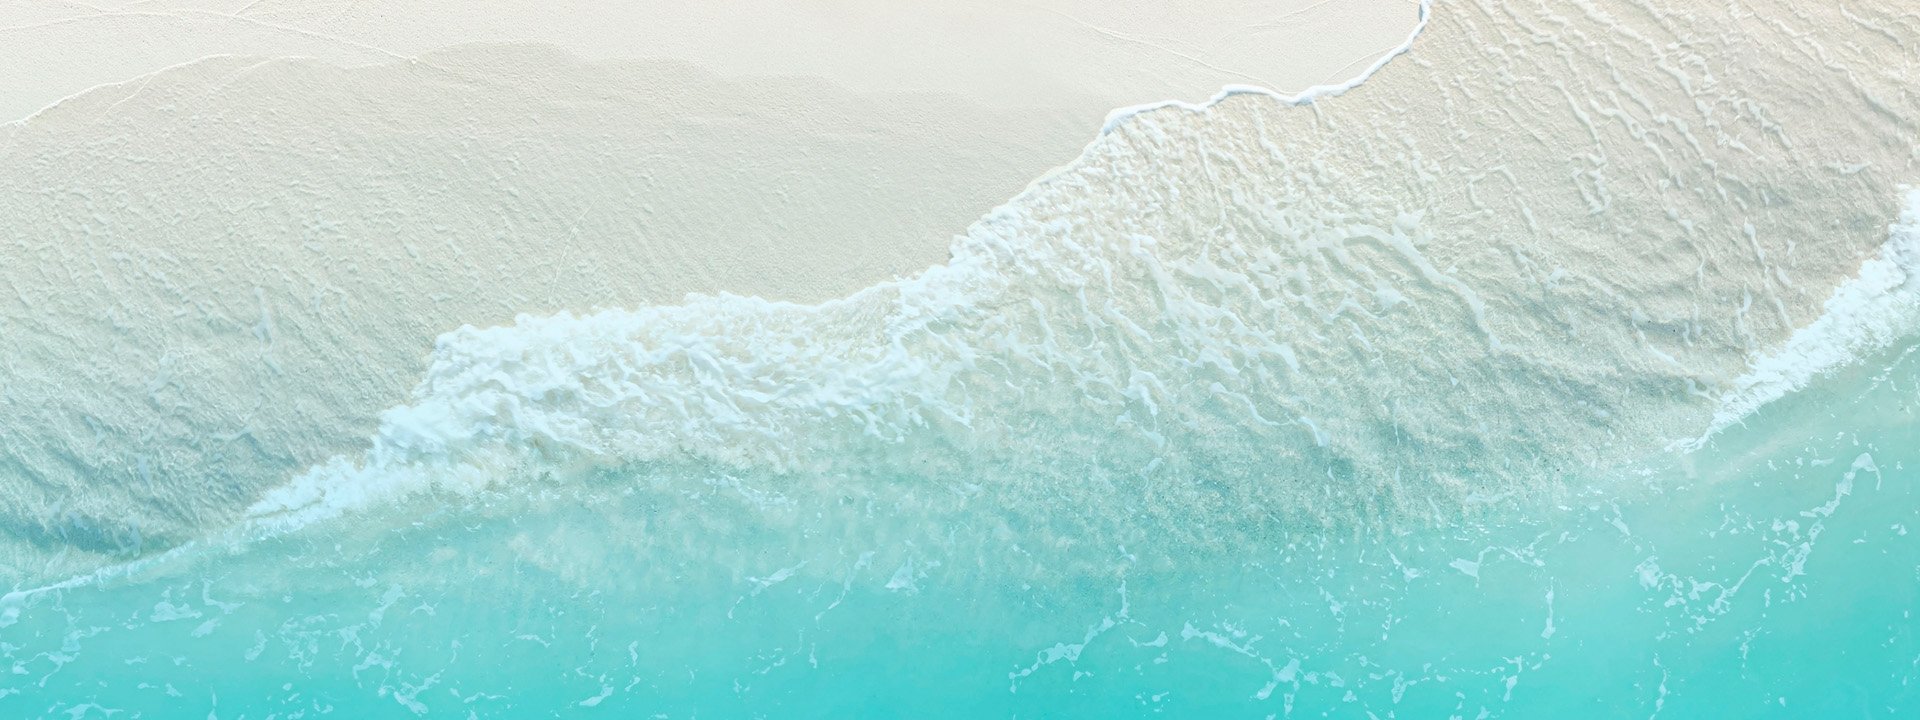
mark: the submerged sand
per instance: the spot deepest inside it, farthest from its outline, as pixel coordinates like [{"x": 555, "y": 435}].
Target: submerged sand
[
  {"x": 205, "y": 282},
  {"x": 234, "y": 244},
  {"x": 1541, "y": 236}
]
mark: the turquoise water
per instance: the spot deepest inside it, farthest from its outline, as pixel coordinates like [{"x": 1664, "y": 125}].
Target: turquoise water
[
  {"x": 1772, "y": 574},
  {"x": 1384, "y": 407}
]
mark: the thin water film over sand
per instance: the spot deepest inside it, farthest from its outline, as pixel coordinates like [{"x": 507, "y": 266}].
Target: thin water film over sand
[{"x": 1559, "y": 364}]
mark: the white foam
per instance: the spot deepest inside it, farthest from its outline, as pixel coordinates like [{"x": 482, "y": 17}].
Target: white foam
[
  {"x": 1309, "y": 95},
  {"x": 447, "y": 439},
  {"x": 734, "y": 409},
  {"x": 1865, "y": 314},
  {"x": 1086, "y": 316}
]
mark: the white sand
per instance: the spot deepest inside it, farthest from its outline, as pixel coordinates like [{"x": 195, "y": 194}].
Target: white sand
[
  {"x": 991, "y": 51},
  {"x": 1534, "y": 232},
  {"x": 222, "y": 263}
]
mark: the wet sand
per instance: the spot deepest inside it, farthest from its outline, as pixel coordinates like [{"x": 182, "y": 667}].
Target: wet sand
[{"x": 235, "y": 241}]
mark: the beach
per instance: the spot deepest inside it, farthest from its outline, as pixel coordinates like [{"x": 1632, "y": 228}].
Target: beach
[
  {"x": 1464, "y": 359},
  {"x": 279, "y": 206},
  {"x": 1065, "y": 54}
]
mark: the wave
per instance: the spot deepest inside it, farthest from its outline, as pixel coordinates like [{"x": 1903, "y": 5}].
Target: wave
[
  {"x": 1867, "y": 314},
  {"x": 1400, "y": 306}
]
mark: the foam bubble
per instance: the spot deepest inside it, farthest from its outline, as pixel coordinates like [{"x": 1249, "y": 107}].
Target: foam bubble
[{"x": 1864, "y": 315}]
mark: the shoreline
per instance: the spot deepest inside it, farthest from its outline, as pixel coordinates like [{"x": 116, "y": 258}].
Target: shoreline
[
  {"x": 280, "y": 340},
  {"x": 1661, "y": 347},
  {"x": 1310, "y": 94}
]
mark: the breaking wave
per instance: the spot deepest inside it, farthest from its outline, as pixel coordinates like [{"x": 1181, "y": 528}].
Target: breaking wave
[
  {"x": 1348, "y": 314},
  {"x": 1525, "y": 378}
]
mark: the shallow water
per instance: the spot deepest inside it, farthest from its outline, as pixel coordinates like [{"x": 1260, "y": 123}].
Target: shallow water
[
  {"x": 1383, "y": 405},
  {"x": 1773, "y": 575}
]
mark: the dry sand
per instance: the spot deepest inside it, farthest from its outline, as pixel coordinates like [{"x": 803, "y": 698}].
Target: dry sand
[{"x": 1080, "y": 54}]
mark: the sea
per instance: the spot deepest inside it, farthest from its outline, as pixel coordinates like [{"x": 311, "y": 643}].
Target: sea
[{"x": 1565, "y": 364}]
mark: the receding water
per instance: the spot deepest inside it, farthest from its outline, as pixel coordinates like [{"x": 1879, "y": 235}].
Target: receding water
[
  {"x": 1773, "y": 574},
  {"x": 1566, "y": 368}
]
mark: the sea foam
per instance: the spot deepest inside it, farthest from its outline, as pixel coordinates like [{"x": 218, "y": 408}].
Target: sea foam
[
  {"x": 1458, "y": 283},
  {"x": 1866, "y": 314},
  {"x": 1244, "y": 311}
]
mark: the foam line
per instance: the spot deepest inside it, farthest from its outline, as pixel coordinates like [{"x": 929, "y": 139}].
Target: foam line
[
  {"x": 414, "y": 434},
  {"x": 1864, "y": 314},
  {"x": 1309, "y": 95}
]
